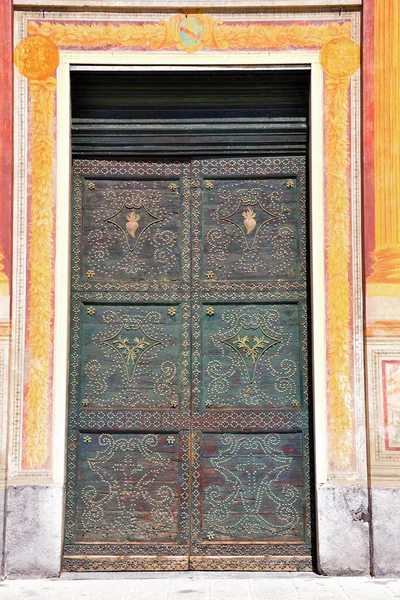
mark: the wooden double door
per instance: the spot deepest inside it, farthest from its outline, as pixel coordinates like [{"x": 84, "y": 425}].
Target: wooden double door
[{"x": 188, "y": 421}]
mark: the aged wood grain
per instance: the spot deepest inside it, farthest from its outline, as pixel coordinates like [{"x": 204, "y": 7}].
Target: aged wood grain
[{"x": 188, "y": 418}]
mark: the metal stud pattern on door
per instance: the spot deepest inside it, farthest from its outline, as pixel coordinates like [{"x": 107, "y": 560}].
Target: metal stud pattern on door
[{"x": 188, "y": 420}]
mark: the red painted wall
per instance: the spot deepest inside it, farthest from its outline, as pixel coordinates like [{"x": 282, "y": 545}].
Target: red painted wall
[{"x": 6, "y": 132}]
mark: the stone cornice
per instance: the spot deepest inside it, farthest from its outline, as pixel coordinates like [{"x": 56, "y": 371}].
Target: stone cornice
[{"x": 201, "y": 5}]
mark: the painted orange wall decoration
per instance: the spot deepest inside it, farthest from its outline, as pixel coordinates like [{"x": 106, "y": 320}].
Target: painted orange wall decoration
[{"x": 37, "y": 58}]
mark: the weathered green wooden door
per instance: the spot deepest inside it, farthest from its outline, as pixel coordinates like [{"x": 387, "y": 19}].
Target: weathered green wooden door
[{"x": 188, "y": 422}]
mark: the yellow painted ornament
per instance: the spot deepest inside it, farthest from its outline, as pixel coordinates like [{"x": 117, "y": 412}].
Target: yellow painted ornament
[
  {"x": 340, "y": 57},
  {"x": 36, "y": 57}
]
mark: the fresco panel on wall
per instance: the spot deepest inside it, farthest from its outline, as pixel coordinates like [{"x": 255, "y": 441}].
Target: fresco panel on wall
[{"x": 339, "y": 59}]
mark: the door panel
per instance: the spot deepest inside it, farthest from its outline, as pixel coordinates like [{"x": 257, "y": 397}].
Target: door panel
[
  {"x": 127, "y": 503},
  {"x": 128, "y": 488},
  {"x": 132, "y": 356},
  {"x": 250, "y": 356},
  {"x": 131, "y": 225},
  {"x": 188, "y": 441},
  {"x": 250, "y": 228},
  {"x": 132, "y": 229},
  {"x": 251, "y": 469},
  {"x": 252, "y": 488}
]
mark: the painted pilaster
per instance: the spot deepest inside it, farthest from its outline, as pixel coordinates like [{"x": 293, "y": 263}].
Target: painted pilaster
[
  {"x": 33, "y": 527},
  {"x": 386, "y": 58},
  {"x": 382, "y": 191}
]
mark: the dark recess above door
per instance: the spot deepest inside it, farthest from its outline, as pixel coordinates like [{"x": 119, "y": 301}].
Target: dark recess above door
[{"x": 189, "y": 112}]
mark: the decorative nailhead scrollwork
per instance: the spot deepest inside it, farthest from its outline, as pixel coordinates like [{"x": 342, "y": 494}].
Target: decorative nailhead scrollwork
[
  {"x": 156, "y": 328},
  {"x": 253, "y": 465},
  {"x": 139, "y": 234},
  {"x": 248, "y": 563},
  {"x": 131, "y": 563}
]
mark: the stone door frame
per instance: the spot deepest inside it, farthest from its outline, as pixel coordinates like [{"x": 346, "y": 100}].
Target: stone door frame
[{"x": 306, "y": 60}]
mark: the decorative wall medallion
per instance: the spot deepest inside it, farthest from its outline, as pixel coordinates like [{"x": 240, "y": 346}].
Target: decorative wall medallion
[
  {"x": 250, "y": 344},
  {"x": 127, "y": 218},
  {"x": 340, "y": 57},
  {"x": 131, "y": 348},
  {"x": 250, "y": 221},
  {"x": 37, "y": 57},
  {"x": 191, "y": 32}
]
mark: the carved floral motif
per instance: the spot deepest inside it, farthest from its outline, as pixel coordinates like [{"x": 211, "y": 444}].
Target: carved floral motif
[
  {"x": 135, "y": 205},
  {"x": 251, "y": 347},
  {"x": 246, "y": 221}
]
